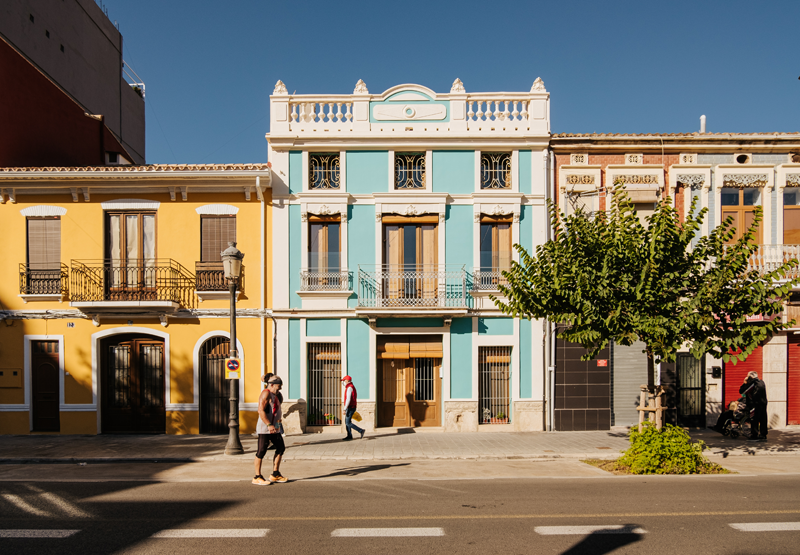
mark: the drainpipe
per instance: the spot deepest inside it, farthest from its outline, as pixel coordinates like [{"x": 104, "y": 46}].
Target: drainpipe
[{"x": 551, "y": 343}]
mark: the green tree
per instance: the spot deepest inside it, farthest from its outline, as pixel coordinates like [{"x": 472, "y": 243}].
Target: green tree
[{"x": 608, "y": 278}]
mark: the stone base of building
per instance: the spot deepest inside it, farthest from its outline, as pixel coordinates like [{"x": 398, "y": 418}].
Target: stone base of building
[
  {"x": 294, "y": 417},
  {"x": 528, "y": 416},
  {"x": 461, "y": 416}
]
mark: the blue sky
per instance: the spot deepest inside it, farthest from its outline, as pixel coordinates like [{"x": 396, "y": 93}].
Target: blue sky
[{"x": 611, "y": 67}]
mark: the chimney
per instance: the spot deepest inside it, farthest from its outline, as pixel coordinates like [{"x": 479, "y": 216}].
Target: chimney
[{"x": 702, "y": 124}]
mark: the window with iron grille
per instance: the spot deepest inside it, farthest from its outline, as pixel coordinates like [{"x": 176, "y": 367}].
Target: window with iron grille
[
  {"x": 323, "y": 171},
  {"x": 324, "y": 384},
  {"x": 409, "y": 170},
  {"x": 215, "y": 234},
  {"x": 495, "y": 170},
  {"x": 494, "y": 379}
]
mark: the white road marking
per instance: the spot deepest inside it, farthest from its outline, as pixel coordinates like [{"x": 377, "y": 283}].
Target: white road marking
[
  {"x": 386, "y": 532},
  {"x": 37, "y": 533},
  {"x": 61, "y": 503},
  {"x": 20, "y": 503},
  {"x": 584, "y": 530},
  {"x": 766, "y": 526},
  {"x": 212, "y": 533}
]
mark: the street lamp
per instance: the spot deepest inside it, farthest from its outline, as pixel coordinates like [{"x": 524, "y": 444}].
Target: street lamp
[{"x": 232, "y": 265}]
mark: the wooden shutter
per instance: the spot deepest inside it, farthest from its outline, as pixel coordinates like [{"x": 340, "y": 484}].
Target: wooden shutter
[
  {"x": 215, "y": 234},
  {"x": 44, "y": 243}
]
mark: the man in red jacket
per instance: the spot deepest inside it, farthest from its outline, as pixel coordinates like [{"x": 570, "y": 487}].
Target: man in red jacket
[{"x": 349, "y": 406}]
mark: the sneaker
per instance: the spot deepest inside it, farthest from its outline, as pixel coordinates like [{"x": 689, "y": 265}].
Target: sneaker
[
  {"x": 347, "y": 439},
  {"x": 260, "y": 481},
  {"x": 362, "y": 434},
  {"x": 277, "y": 478}
]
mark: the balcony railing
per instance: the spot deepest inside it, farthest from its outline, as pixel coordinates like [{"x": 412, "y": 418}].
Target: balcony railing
[
  {"x": 487, "y": 279},
  {"x": 768, "y": 258},
  {"x": 35, "y": 280},
  {"x": 119, "y": 280},
  {"x": 313, "y": 280},
  {"x": 424, "y": 286},
  {"x": 209, "y": 276}
]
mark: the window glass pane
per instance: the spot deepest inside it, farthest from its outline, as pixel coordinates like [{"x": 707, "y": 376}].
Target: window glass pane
[
  {"x": 114, "y": 249},
  {"x": 132, "y": 239},
  {"x": 729, "y": 197},
  {"x": 486, "y": 246},
  {"x": 314, "y": 236},
  {"x": 791, "y": 226},
  {"x": 149, "y": 236},
  {"x": 790, "y": 196},
  {"x": 750, "y": 197},
  {"x": 503, "y": 246},
  {"x": 410, "y": 246},
  {"x": 333, "y": 247}
]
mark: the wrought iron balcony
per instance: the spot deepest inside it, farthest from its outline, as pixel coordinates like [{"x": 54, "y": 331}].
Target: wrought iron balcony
[
  {"x": 209, "y": 276},
  {"x": 487, "y": 279},
  {"x": 420, "y": 286},
  {"x": 36, "y": 280},
  {"x": 154, "y": 283},
  {"x": 313, "y": 280}
]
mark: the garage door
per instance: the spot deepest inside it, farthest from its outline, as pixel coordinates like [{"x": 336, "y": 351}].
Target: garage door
[
  {"x": 733, "y": 374},
  {"x": 793, "y": 381}
]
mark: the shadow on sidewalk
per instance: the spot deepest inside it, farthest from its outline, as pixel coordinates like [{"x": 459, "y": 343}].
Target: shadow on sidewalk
[{"x": 338, "y": 439}]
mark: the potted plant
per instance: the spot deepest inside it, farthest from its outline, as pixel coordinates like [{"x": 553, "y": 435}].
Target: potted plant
[
  {"x": 487, "y": 415},
  {"x": 330, "y": 419},
  {"x": 501, "y": 418}
]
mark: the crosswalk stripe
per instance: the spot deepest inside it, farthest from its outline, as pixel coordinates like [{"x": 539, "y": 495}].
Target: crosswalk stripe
[
  {"x": 37, "y": 533},
  {"x": 386, "y": 532},
  {"x": 20, "y": 503},
  {"x": 766, "y": 526},
  {"x": 212, "y": 533},
  {"x": 585, "y": 530}
]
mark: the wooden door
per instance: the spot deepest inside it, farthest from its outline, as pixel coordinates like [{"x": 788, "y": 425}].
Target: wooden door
[
  {"x": 423, "y": 397},
  {"x": 214, "y": 403},
  {"x": 133, "y": 385},
  {"x": 410, "y": 392},
  {"x": 45, "y": 386},
  {"x": 393, "y": 406}
]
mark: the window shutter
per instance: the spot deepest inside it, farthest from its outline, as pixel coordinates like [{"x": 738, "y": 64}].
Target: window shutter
[
  {"x": 215, "y": 234},
  {"x": 44, "y": 243}
]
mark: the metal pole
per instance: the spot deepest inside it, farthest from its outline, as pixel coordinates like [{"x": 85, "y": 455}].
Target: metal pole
[{"x": 234, "y": 446}]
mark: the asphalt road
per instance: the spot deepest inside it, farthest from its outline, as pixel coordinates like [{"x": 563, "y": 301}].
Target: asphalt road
[{"x": 339, "y": 513}]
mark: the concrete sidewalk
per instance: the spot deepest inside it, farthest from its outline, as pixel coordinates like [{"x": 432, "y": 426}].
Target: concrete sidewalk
[{"x": 403, "y": 444}]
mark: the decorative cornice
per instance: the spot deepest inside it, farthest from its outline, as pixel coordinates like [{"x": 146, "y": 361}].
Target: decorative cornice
[
  {"x": 793, "y": 179},
  {"x": 43, "y": 210},
  {"x": 580, "y": 180},
  {"x": 636, "y": 179},
  {"x": 217, "y": 210},
  {"x": 280, "y": 88},
  {"x": 694, "y": 180},
  {"x": 744, "y": 180},
  {"x": 458, "y": 87}
]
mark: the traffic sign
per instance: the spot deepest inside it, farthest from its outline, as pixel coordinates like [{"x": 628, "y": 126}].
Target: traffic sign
[{"x": 232, "y": 368}]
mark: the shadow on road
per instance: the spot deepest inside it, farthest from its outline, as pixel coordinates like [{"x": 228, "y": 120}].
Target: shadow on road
[
  {"x": 601, "y": 541},
  {"x": 355, "y": 471}
]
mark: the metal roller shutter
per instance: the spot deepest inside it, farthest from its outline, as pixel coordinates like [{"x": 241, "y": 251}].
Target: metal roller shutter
[
  {"x": 628, "y": 374},
  {"x": 793, "y": 381},
  {"x": 733, "y": 374}
]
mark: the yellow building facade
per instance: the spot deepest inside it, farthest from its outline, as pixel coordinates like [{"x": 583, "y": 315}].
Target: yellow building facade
[{"x": 115, "y": 312}]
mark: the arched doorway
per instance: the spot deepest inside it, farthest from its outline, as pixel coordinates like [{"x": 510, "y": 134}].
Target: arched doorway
[
  {"x": 132, "y": 384},
  {"x": 213, "y": 386}
]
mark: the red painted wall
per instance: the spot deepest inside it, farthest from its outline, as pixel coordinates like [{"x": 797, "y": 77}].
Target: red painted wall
[{"x": 40, "y": 125}]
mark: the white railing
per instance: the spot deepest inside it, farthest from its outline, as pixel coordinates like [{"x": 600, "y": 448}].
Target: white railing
[
  {"x": 312, "y": 280},
  {"x": 768, "y": 258},
  {"x": 321, "y": 111},
  {"x": 398, "y": 286},
  {"x": 483, "y": 108}
]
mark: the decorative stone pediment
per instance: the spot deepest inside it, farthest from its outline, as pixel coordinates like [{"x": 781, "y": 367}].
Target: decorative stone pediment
[
  {"x": 744, "y": 180},
  {"x": 793, "y": 179},
  {"x": 458, "y": 87},
  {"x": 636, "y": 179},
  {"x": 580, "y": 180},
  {"x": 693, "y": 180},
  {"x": 361, "y": 87},
  {"x": 280, "y": 88},
  {"x": 538, "y": 85}
]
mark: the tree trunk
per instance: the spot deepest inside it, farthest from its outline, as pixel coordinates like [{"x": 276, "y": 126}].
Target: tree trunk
[{"x": 651, "y": 371}]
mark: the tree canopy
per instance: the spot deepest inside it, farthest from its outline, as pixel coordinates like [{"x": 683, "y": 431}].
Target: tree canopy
[{"x": 609, "y": 278}]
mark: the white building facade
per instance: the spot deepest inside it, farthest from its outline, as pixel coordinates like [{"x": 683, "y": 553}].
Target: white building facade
[{"x": 394, "y": 215}]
